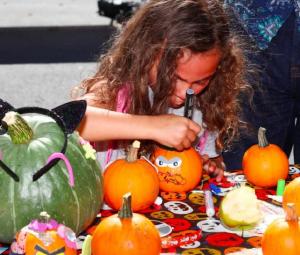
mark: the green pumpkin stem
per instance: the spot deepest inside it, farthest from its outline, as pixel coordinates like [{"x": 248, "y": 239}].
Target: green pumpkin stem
[
  {"x": 18, "y": 129},
  {"x": 126, "y": 211},
  {"x": 133, "y": 151},
  {"x": 262, "y": 139},
  {"x": 290, "y": 213}
]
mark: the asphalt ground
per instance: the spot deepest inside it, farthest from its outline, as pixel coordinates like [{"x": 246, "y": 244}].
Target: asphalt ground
[{"x": 47, "y": 47}]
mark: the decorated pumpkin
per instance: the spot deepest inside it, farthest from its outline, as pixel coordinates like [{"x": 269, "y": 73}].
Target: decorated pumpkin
[
  {"x": 44, "y": 236},
  {"x": 282, "y": 236},
  {"x": 126, "y": 233},
  {"x": 45, "y": 166},
  {"x": 291, "y": 194},
  {"x": 178, "y": 171},
  {"x": 264, "y": 164},
  {"x": 133, "y": 175}
]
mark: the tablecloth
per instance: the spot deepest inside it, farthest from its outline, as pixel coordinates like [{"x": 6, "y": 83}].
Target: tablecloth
[{"x": 185, "y": 227}]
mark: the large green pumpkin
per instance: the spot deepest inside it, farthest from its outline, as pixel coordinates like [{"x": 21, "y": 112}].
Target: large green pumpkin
[{"x": 21, "y": 201}]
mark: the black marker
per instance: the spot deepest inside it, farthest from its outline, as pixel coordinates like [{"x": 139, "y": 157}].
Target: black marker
[{"x": 189, "y": 104}]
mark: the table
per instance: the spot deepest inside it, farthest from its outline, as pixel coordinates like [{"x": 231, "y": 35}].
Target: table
[{"x": 185, "y": 213}]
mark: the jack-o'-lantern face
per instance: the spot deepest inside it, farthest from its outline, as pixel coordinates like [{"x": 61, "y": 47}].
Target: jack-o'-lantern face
[
  {"x": 177, "y": 171},
  {"x": 197, "y": 216},
  {"x": 173, "y": 196},
  {"x": 197, "y": 198},
  {"x": 162, "y": 215},
  {"x": 50, "y": 243}
]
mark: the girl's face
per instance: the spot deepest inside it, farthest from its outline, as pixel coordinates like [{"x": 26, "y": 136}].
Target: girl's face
[{"x": 193, "y": 71}]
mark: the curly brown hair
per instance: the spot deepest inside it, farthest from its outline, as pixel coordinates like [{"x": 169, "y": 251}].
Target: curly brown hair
[{"x": 164, "y": 28}]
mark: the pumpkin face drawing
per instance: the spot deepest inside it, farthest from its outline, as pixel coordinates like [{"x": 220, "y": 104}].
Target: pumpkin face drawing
[
  {"x": 44, "y": 237},
  {"x": 46, "y": 166},
  {"x": 35, "y": 246},
  {"x": 177, "y": 171}
]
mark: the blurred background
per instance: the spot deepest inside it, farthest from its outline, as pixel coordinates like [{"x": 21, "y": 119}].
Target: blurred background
[{"x": 47, "y": 47}]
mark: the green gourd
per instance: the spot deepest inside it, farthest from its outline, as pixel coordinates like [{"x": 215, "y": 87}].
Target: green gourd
[{"x": 25, "y": 148}]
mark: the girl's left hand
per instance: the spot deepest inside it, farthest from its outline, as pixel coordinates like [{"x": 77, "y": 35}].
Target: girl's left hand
[{"x": 214, "y": 166}]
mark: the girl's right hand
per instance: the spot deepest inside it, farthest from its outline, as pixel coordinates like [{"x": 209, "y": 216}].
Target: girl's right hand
[{"x": 175, "y": 131}]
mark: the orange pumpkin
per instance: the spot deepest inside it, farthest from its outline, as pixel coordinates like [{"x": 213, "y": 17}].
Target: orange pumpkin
[
  {"x": 126, "y": 233},
  {"x": 178, "y": 171},
  {"x": 291, "y": 194},
  {"x": 264, "y": 164},
  {"x": 283, "y": 235},
  {"x": 133, "y": 175},
  {"x": 45, "y": 237}
]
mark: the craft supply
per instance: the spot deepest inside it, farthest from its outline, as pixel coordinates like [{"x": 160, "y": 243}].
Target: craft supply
[
  {"x": 280, "y": 187},
  {"x": 209, "y": 204},
  {"x": 214, "y": 188},
  {"x": 189, "y": 104}
]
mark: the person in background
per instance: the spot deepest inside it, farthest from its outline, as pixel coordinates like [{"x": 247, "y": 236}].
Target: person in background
[
  {"x": 139, "y": 90},
  {"x": 273, "y": 27}
]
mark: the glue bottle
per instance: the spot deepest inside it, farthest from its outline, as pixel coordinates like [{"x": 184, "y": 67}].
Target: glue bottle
[{"x": 209, "y": 204}]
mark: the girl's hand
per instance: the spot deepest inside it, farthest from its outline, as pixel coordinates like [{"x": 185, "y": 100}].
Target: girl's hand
[
  {"x": 214, "y": 166},
  {"x": 175, "y": 131}
]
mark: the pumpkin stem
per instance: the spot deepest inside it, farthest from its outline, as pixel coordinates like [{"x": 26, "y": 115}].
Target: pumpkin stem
[
  {"x": 290, "y": 212},
  {"x": 126, "y": 211},
  {"x": 262, "y": 139},
  {"x": 18, "y": 129},
  {"x": 44, "y": 217},
  {"x": 133, "y": 151}
]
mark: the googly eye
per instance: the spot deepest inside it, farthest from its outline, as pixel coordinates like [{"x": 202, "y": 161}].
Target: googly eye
[
  {"x": 161, "y": 161},
  {"x": 175, "y": 162}
]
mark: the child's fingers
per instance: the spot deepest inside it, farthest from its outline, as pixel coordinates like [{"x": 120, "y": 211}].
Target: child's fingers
[
  {"x": 220, "y": 173},
  {"x": 191, "y": 136},
  {"x": 194, "y": 127},
  {"x": 205, "y": 158}
]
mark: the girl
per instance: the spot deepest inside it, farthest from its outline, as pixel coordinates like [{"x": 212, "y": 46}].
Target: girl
[{"x": 139, "y": 89}]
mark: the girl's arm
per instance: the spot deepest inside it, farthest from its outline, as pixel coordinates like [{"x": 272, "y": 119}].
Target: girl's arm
[{"x": 170, "y": 130}]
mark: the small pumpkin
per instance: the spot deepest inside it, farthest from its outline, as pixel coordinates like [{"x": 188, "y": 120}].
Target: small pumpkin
[
  {"x": 133, "y": 175},
  {"x": 264, "y": 164},
  {"x": 44, "y": 236},
  {"x": 26, "y": 148},
  {"x": 291, "y": 194},
  {"x": 283, "y": 234},
  {"x": 126, "y": 233},
  {"x": 178, "y": 171}
]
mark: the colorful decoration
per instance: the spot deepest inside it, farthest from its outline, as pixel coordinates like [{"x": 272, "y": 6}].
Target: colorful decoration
[
  {"x": 283, "y": 235},
  {"x": 264, "y": 164},
  {"x": 44, "y": 168},
  {"x": 44, "y": 236},
  {"x": 126, "y": 233},
  {"x": 90, "y": 152},
  {"x": 133, "y": 175},
  {"x": 177, "y": 171},
  {"x": 291, "y": 194}
]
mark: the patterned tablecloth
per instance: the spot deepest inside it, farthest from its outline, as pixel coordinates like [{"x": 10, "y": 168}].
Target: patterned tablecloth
[{"x": 185, "y": 228}]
